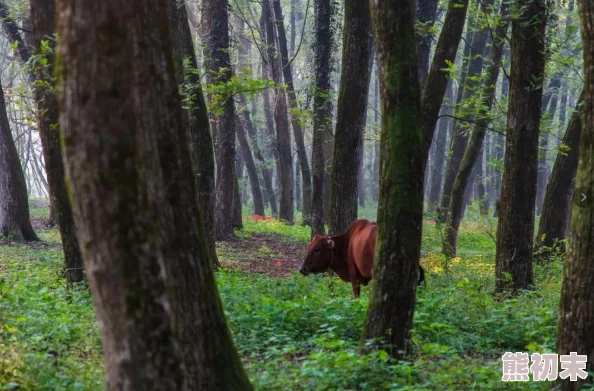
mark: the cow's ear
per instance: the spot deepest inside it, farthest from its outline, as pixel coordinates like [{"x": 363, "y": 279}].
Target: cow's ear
[{"x": 330, "y": 243}]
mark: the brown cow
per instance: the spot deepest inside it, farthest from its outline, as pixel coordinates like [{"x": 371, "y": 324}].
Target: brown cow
[{"x": 350, "y": 255}]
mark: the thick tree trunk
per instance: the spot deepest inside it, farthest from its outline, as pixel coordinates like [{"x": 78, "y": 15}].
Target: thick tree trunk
[
  {"x": 557, "y": 203},
  {"x": 515, "y": 232},
  {"x": 161, "y": 319},
  {"x": 426, "y": 12},
  {"x": 437, "y": 80},
  {"x": 472, "y": 153},
  {"x": 281, "y": 119},
  {"x": 294, "y": 106},
  {"x": 195, "y": 119},
  {"x": 323, "y": 41},
  {"x": 44, "y": 28},
  {"x": 14, "y": 206},
  {"x": 215, "y": 33},
  {"x": 395, "y": 274},
  {"x": 350, "y": 119},
  {"x": 576, "y": 320}
]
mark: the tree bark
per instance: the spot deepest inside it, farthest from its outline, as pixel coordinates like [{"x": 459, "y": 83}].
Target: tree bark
[
  {"x": 472, "y": 153},
  {"x": 14, "y": 205},
  {"x": 215, "y": 25},
  {"x": 576, "y": 319},
  {"x": 195, "y": 118},
  {"x": 395, "y": 273},
  {"x": 281, "y": 119},
  {"x": 323, "y": 41},
  {"x": 44, "y": 28},
  {"x": 294, "y": 106},
  {"x": 350, "y": 119},
  {"x": 515, "y": 231},
  {"x": 557, "y": 202},
  {"x": 160, "y": 315}
]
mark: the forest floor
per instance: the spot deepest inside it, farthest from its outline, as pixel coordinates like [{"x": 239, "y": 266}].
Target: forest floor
[{"x": 293, "y": 333}]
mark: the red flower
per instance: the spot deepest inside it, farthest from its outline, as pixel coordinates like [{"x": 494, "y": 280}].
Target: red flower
[
  {"x": 432, "y": 222},
  {"x": 257, "y": 217},
  {"x": 277, "y": 263}
]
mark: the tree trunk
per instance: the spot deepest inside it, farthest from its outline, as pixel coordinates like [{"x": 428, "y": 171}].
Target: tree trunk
[
  {"x": 577, "y": 298},
  {"x": 559, "y": 194},
  {"x": 294, "y": 106},
  {"x": 395, "y": 274},
  {"x": 215, "y": 26},
  {"x": 323, "y": 41},
  {"x": 515, "y": 231},
  {"x": 469, "y": 87},
  {"x": 472, "y": 153},
  {"x": 437, "y": 80},
  {"x": 281, "y": 119},
  {"x": 195, "y": 119},
  {"x": 426, "y": 12},
  {"x": 161, "y": 319},
  {"x": 440, "y": 151},
  {"x": 298, "y": 201},
  {"x": 44, "y": 28},
  {"x": 14, "y": 205},
  {"x": 237, "y": 222},
  {"x": 551, "y": 96},
  {"x": 350, "y": 119},
  {"x": 266, "y": 172}
]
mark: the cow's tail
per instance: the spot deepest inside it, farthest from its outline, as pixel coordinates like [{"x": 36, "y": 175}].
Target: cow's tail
[{"x": 421, "y": 275}]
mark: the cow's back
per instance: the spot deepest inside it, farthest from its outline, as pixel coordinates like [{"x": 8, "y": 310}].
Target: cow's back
[{"x": 362, "y": 236}]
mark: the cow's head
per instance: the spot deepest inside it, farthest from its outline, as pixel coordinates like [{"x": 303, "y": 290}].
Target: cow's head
[{"x": 319, "y": 255}]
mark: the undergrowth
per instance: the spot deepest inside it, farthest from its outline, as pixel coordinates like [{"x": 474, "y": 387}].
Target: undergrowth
[{"x": 296, "y": 333}]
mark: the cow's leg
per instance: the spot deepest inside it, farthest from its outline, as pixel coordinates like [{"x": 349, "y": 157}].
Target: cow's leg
[{"x": 354, "y": 278}]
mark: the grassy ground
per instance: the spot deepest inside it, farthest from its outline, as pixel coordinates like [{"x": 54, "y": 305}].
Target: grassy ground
[{"x": 293, "y": 333}]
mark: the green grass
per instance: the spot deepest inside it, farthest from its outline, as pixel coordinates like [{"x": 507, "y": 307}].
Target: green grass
[{"x": 296, "y": 333}]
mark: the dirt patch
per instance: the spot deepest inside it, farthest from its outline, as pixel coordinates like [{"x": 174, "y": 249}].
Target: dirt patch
[{"x": 263, "y": 253}]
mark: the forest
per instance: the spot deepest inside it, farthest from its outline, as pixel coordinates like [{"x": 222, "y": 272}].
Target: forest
[{"x": 296, "y": 195}]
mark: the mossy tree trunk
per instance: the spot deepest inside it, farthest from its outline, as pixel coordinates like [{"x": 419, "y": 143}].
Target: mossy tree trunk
[
  {"x": 128, "y": 161},
  {"x": 322, "y": 108},
  {"x": 576, "y": 318},
  {"x": 515, "y": 231},
  {"x": 350, "y": 120},
  {"x": 217, "y": 62},
  {"x": 395, "y": 272}
]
